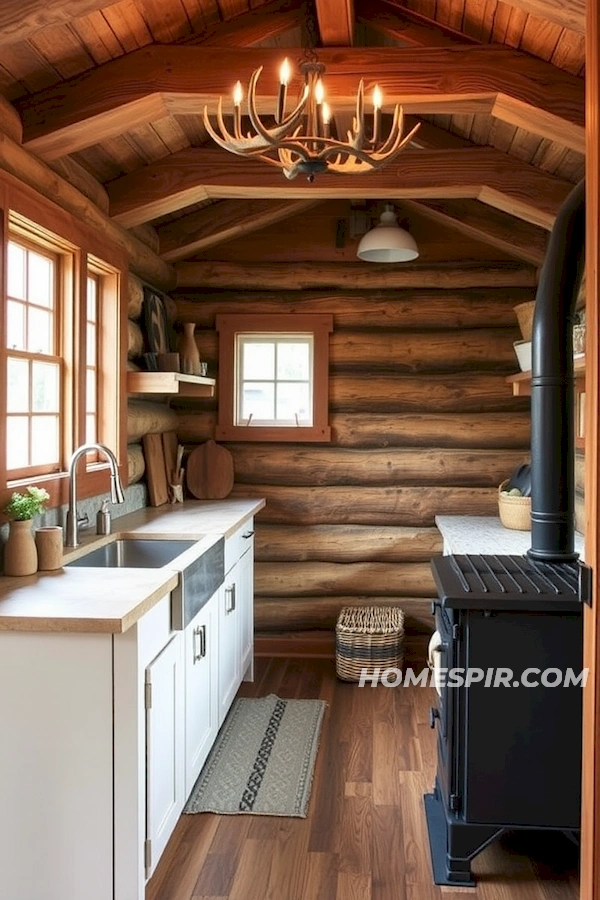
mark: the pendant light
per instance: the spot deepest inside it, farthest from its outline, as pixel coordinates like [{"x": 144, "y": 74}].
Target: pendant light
[{"x": 387, "y": 242}]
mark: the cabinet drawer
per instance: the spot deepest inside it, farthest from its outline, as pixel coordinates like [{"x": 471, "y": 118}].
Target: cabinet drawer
[{"x": 238, "y": 543}]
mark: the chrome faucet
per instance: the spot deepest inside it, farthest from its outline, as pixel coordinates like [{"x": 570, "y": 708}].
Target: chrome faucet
[{"x": 116, "y": 489}]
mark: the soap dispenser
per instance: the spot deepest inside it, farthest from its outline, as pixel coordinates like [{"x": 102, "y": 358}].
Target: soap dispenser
[{"x": 103, "y": 519}]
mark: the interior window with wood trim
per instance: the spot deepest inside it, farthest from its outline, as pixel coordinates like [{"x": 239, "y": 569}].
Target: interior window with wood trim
[
  {"x": 61, "y": 357},
  {"x": 273, "y": 377}
]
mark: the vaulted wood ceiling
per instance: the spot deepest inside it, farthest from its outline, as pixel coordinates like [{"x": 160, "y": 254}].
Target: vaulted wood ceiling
[{"x": 115, "y": 92}]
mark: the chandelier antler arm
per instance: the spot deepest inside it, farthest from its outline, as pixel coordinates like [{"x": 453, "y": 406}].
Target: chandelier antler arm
[
  {"x": 356, "y": 137},
  {"x": 286, "y": 126}
]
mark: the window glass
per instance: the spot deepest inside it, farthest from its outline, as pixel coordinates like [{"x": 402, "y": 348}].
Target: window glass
[{"x": 275, "y": 385}]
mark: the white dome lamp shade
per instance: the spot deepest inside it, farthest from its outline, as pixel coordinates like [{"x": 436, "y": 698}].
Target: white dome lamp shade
[{"x": 387, "y": 242}]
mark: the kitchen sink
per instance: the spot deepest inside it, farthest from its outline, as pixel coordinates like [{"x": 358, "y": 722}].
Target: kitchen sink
[{"x": 133, "y": 553}]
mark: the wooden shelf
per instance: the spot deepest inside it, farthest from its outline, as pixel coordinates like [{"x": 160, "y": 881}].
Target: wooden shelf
[
  {"x": 170, "y": 383},
  {"x": 521, "y": 382}
]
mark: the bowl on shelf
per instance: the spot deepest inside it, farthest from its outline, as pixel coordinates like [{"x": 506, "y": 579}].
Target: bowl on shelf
[{"x": 523, "y": 351}]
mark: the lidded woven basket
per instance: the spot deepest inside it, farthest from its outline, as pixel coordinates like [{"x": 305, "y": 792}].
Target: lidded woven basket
[
  {"x": 514, "y": 512},
  {"x": 367, "y": 638}
]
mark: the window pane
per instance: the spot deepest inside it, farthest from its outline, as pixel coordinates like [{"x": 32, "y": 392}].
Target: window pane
[
  {"x": 90, "y": 429},
  {"x": 258, "y": 360},
  {"x": 90, "y": 391},
  {"x": 293, "y": 360},
  {"x": 45, "y": 378},
  {"x": 258, "y": 401},
  {"x": 44, "y": 440},
  {"x": 294, "y": 400},
  {"x": 39, "y": 338},
  {"x": 90, "y": 346},
  {"x": 91, "y": 299},
  {"x": 17, "y": 394},
  {"x": 41, "y": 273},
  {"x": 16, "y": 271},
  {"x": 15, "y": 325},
  {"x": 17, "y": 442}
]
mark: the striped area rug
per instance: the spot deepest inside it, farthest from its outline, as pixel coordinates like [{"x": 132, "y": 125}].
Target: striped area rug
[{"x": 263, "y": 760}]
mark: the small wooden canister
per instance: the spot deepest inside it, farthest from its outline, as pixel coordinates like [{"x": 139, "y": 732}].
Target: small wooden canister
[{"x": 49, "y": 543}]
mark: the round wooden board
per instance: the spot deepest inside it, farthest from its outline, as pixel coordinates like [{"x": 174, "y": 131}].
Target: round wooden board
[{"x": 209, "y": 472}]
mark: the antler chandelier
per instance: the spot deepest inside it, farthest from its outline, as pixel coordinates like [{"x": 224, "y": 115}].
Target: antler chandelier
[{"x": 301, "y": 142}]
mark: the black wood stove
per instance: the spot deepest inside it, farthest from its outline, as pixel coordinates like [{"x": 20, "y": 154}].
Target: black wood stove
[{"x": 509, "y": 745}]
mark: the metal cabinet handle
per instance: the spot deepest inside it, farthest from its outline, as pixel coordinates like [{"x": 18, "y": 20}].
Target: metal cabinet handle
[
  {"x": 247, "y": 534},
  {"x": 231, "y": 592},
  {"x": 434, "y": 714},
  {"x": 199, "y": 643}
]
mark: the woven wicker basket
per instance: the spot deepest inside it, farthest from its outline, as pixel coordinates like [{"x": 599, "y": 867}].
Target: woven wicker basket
[
  {"x": 524, "y": 313},
  {"x": 366, "y": 638},
  {"x": 514, "y": 512}
]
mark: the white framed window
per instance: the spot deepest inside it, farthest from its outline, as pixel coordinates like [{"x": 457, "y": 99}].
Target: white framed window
[{"x": 273, "y": 377}]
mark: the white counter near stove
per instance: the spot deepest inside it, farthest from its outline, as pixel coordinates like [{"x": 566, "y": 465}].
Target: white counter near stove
[{"x": 486, "y": 534}]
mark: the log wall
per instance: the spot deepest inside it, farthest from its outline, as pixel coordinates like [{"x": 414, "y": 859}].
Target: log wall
[{"x": 423, "y": 423}]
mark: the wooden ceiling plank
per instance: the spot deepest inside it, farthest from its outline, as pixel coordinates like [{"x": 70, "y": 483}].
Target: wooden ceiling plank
[
  {"x": 222, "y": 222},
  {"x": 336, "y": 22},
  {"x": 20, "y": 19},
  {"x": 407, "y": 25},
  {"x": 570, "y": 14},
  {"x": 197, "y": 173},
  {"x": 482, "y": 223},
  {"x": 263, "y": 23},
  {"x": 92, "y": 107}
]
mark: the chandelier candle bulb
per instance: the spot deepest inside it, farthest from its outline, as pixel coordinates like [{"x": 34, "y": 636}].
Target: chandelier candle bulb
[
  {"x": 326, "y": 120},
  {"x": 377, "y": 103},
  {"x": 238, "y": 96},
  {"x": 284, "y": 78}
]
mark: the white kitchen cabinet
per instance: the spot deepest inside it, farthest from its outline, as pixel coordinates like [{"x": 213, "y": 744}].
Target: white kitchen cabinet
[
  {"x": 201, "y": 687},
  {"x": 165, "y": 748},
  {"x": 229, "y": 643},
  {"x": 246, "y": 604}
]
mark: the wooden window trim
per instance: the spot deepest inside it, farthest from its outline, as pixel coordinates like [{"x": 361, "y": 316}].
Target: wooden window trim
[
  {"x": 229, "y": 325},
  {"x": 50, "y": 223}
]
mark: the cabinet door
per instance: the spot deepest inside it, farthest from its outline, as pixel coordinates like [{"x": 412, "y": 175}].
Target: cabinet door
[
  {"x": 246, "y": 614},
  {"x": 229, "y": 653},
  {"x": 201, "y": 701},
  {"x": 164, "y": 748}
]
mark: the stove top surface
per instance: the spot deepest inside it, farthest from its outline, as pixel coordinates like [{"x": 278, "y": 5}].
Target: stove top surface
[{"x": 506, "y": 582}]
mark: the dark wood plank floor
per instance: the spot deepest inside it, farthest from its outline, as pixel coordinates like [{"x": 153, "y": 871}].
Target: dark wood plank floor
[{"x": 365, "y": 836}]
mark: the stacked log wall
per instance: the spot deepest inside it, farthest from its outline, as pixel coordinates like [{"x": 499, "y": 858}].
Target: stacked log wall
[{"x": 423, "y": 423}]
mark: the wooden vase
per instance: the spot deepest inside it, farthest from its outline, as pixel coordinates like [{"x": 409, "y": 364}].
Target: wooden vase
[
  {"x": 20, "y": 552},
  {"x": 188, "y": 350}
]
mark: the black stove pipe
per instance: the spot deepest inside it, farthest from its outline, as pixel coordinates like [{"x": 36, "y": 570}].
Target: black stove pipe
[{"x": 552, "y": 387}]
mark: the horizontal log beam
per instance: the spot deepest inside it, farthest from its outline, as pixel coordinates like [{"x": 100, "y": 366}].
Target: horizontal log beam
[
  {"x": 434, "y": 351},
  {"x": 222, "y": 222},
  {"x": 411, "y": 309},
  {"x": 368, "y": 505},
  {"x": 198, "y": 173},
  {"x": 25, "y": 167},
  {"x": 493, "y": 227},
  {"x": 345, "y": 543},
  {"x": 348, "y": 276},
  {"x": 305, "y": 579},
  {"x": 148, "y": 418},
  {"x": 297, "y": 613},
  {"x": 336, "y": 466},
  {"x": 161, "y": 80},
  {"x": 476, "y": 430}
]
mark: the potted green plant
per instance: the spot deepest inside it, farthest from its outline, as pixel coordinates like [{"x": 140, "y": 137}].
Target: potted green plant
[{"x": 20, "y": 553}]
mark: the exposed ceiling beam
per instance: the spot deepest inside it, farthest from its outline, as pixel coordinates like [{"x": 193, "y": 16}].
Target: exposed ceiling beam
[
  {"x": 352, "y": 276},
  {"x": 197, "y": 174},
  {"x": 20, "y": 19},
  {"x": 222, "y": 222},
  {"x": 263, "y": 23},
  {"x": 482, "y": 223},
  {"x": 336, "y": 22},
  {"x": 567, "y": 13},
  {"x": 161, "y": 80},
  {"x": 408, "y": 26}
]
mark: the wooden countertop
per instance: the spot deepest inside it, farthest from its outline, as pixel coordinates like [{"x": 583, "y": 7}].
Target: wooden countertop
[{"x": 81, "y": 599}]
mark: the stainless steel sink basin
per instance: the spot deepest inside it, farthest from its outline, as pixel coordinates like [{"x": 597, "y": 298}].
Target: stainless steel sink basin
[{"x": 133, "y": 553}]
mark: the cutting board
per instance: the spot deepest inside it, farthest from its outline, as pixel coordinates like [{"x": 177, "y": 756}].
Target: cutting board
[
  {"x": 209, "y": 472},
  {"x": 170, "y": 444},
  {"x": 156, "y": 475}
]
